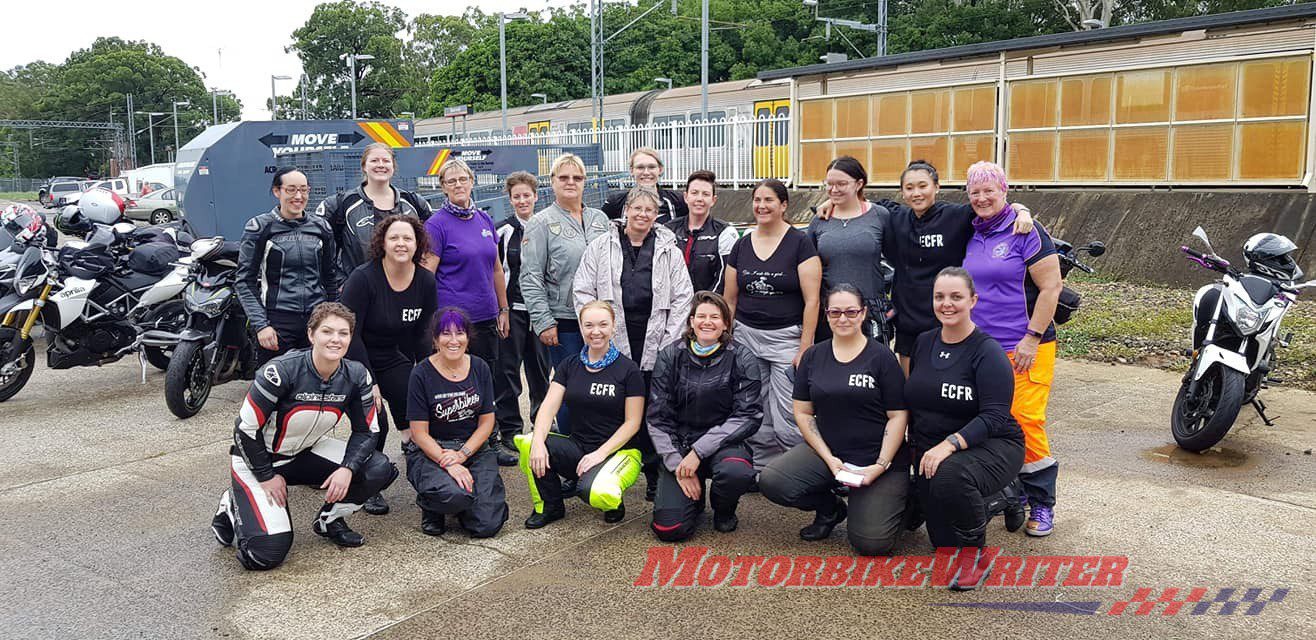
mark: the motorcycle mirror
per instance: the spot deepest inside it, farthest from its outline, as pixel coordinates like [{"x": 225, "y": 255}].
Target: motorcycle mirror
[
  {"x": 1096, "y": 248},
  {"x": 1200, "y": 234}
]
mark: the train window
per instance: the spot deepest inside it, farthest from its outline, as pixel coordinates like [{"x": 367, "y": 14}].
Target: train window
[
  {"x": 668, "y": 132},
  {"x": 711, "y": 135},
  {"x": 1205, "y": 93},
  {"x": 781, "y": 131}
]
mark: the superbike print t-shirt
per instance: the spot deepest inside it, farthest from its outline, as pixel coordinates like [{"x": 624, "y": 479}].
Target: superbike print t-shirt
[
  {"x": 769, "y": 290},
  {"x": 597, "y": 399},
  {"x": 453, "y": 409}
]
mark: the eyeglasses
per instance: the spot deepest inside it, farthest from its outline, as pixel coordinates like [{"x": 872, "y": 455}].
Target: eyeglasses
[
  {"x": 646, "y": 167},
  {"x": 458, "y": 180},
  {"x": 294, "y": 191},
  {"x": 850, "y": 313},
  {"x": 570, "y": 178},
  {"x": 840, "y": 185}
]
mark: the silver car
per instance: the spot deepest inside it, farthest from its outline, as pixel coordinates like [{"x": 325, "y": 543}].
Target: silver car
[{"x": 156, "y": 207}]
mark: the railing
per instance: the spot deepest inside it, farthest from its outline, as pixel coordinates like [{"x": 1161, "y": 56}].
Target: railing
[{"x": 740, "y": 151}]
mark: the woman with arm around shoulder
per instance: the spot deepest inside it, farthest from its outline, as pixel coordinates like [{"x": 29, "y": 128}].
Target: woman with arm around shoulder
[
  {"x": 703, "y": 405},
  {"x": 451, "y": 409},
  {"x": 393, "y": 299},
  {"x": 850, "y": 403},
  {"x": 849, "y": 241},
  {"x": 772, "y": 283},
  {"x": 1000, "y": 263},
  {"x": 967, "y": 446},
  {"x": 605, "y": 391}
]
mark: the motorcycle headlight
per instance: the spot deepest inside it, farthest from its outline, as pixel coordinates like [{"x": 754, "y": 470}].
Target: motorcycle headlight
[
  {"x": 24, "y": 284},
  {"x": 1247, "y": 320}
]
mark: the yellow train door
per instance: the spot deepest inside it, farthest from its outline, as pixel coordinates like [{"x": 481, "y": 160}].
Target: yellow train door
[{"x": 771, "y": 138}]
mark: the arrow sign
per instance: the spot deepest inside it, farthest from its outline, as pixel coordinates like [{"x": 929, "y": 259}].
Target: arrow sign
[
  {"x": 270, "y": 139},
  {"x": 351, "y": 138}
]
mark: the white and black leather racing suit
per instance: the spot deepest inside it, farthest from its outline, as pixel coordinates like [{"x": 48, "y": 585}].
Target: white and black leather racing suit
[
  {"x": 705, "y": 250},
  {"x": 285, "y": 268},
  {"x": 352, "y": 215},
  {"x": 283, "y": 428}
]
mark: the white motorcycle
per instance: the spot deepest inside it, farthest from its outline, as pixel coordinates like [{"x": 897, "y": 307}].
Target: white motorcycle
[
  {"x": 1236, "y": 327},
  {"x": 92, "y": 307}
]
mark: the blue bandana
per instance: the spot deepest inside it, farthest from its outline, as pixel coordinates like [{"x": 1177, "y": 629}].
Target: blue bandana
[
  {"x": 704, "y": 352},
  {"x": 608, "y": 358}
]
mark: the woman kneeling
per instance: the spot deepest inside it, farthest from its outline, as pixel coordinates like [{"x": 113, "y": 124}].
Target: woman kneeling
[
  {"x": 703, "y": 405},
  {"x": 450, "y": 408},
  {"x": 850, "y": 405},
  {"x": 604, "y": 392}
]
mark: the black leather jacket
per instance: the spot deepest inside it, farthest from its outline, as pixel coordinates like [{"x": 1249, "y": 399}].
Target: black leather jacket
[
  {"x": 702, "y": 404},
  {"x": 285, "y": 265},
  {"x": 290, "y": 407},
  {"x": 705, "y": 250},
  {"x": 352, "y": 215}
]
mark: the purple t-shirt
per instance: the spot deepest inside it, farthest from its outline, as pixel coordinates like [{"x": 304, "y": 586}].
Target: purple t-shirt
[
  {"x": 998, "y": 259},
  {"x": 467, "y": 250}
]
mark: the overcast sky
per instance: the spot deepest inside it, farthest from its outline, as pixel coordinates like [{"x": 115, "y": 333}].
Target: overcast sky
[{"x": 238, "y": 45}]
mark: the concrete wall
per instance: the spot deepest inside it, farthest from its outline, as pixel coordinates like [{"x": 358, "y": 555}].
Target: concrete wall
[{"x": 1143, "y": 230}]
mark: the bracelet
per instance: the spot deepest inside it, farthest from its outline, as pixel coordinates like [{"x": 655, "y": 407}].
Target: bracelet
[
  {"x": 885, "y": 464},
  {"x": 954, "y": 442},
  {"x": 1035, "y": 334},
  {"x": 465, "y": 451}
]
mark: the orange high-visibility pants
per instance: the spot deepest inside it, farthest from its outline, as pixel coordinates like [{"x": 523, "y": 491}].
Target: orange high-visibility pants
[{"x": 1032, "y": 391}]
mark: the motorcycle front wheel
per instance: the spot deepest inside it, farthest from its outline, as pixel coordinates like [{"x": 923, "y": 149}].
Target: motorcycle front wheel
[
  {"x": 13, "y": 382},
  {"x": 1202, "y": 420},
  {"x": 187, "y": 380}
]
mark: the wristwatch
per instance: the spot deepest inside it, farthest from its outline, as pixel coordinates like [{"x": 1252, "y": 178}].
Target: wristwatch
[
  {"x": 954, "y": 442},
  {"x": 885, "y": 464},
  {"x": 1035, "y": 334},
  {"x": 465, "y": 451}
]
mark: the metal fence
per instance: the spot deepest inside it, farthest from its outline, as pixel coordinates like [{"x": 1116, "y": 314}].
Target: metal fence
[
  {"x": 12, "y": 185},
  {"x": 740, "y": 151}
]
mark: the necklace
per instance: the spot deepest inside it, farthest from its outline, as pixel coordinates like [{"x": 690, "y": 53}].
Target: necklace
[
  {"x": 607, "y": 359},
  {"x": 451, "y": 375}
]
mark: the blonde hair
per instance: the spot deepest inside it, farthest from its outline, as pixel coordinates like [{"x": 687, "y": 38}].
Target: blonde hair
[
  {"x": 567, "y": 158},
  {"x": 648, "y": 151},
  {"x": 597, "y": 304},
  {"x": 640, "y": 192},
  {"x": 455, "y": 163},
  {"x": 377, "y": 146}
]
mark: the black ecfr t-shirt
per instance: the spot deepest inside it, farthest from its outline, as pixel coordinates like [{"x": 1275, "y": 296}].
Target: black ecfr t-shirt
[
  {"x": 964, "y": 388},
  {"x": 453, "y": 409},
  {"x": 769, "y": 293},
  {"x": 850, "y": 400},
  {"x": 597, "y": 399},
  {"x": 392, "y": 327}
]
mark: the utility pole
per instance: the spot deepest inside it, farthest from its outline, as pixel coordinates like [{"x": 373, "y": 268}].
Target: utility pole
[
  {"x": 132, "y": 137},
  {"x": 703, "y": 78},
  {"x": 303, "y": 82},
  {"x": 881, "y": 28},
  {"x": 502, "y": 58}
]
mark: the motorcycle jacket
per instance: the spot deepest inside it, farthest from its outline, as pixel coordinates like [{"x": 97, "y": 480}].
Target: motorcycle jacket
[
  {"x": 702, "y": 403},
  {"x": 705, "y": 250},
  {"x": 353, "y": 215},
  {"x": 285, "y": 265},
  {"x": 290, "y": 407}
]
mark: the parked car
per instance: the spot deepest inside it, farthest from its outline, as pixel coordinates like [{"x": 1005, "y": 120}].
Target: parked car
[
  {"x": 157, "y": 207},
  {"x": 43, "y": 193},
  {"x": 59, "y": 193}
]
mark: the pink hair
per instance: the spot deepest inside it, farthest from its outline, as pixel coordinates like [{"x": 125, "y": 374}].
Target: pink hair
[{"x": 984, "y": 172}]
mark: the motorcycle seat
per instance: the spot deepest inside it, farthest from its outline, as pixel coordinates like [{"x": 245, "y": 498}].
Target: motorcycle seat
[{"x": 132, "y": 280}]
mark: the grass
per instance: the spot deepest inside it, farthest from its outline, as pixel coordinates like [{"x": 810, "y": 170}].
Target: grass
[
  {"x": 19, "y": 196},
  {"x": 1148, "y": 325}
]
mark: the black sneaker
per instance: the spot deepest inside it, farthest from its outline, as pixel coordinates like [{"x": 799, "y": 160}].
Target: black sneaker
[
  {"x": 539, "y": 520},
  {"x": 824, "y": 523},
  {"x": 568, "y": 487},
  {"x": 338, "y": 533},
  {"x": 506, "y": 457},
  {"x": 616, "y": 515},
  {"x": 725, "y": 522},
  {"x": 376, "y": 505},
  {"x": 222, "y": 524},
  {"x": 433, "y": 524}
]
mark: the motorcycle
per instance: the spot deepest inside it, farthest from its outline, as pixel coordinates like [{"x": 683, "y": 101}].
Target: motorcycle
[
  {"x": 214, "y": 346},
  {"x": 1236, "y": 327},
  {"x": 92, "y": 306},
  {"x": 1069, "y": 260}
]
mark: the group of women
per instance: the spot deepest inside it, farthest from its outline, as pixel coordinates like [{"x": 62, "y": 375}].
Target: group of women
[{"x": 713, "y": 364}]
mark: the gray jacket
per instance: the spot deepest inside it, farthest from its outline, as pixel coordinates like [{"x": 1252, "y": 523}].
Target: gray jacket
[
  {"x": 550, "y": 253},
  {"x": 599, "y": 278}
]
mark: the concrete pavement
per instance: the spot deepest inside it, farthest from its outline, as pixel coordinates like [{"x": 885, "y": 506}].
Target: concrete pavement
[{"x": 105, "y": 500}]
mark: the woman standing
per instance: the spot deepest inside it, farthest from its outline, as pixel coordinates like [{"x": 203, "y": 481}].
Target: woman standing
[
  {"x": 555, "y": 238},
  {"x": 703, "y": 405},
  {"x": 704, "y": 240},
  {"x": 849, "y": 396},
  {"x": 452, "y": 415},
  {"x": 967, "y": 444},
  {"x": 646, "y": 169},
  {"x": 849, "y": 241},
  {"x": 393, "y": 300},
  {"x": 521, "y": 344},
  {"x": 285, "y": 267},
  {"x": 639, "y": 272},
  {"x": 606, "y": 393},
  {"x": 1000, "y": 262},
  {"x": 353, "y": 214},
  {"x": 772, "y": 282},
  {"x": 464, "y": 258}
]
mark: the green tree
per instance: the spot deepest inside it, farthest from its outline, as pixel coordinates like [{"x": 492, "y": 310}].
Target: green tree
[{"x": 345, "y": 27}]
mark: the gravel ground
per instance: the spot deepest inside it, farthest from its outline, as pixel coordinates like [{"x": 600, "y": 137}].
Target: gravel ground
[{"x": 1127, "y": 323}]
